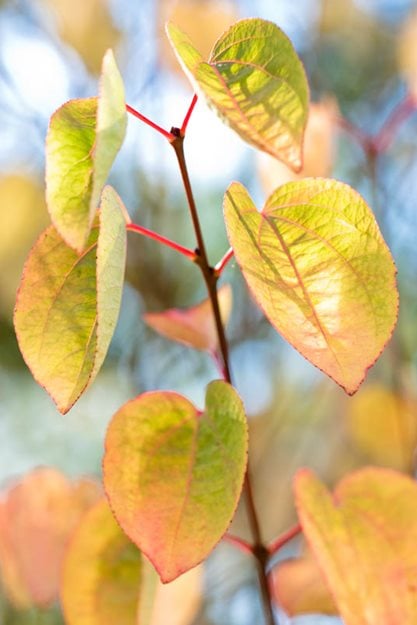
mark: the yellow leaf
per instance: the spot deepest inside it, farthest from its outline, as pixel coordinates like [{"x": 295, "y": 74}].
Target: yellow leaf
[
  {"x": 68, "y": 304},
  {"x": 407, "y": 52},
  {"x": 22, "y": 216},
  {"x": 364, "y": 540},
  {"x": 203, "y": 20},
  {"x": 318, "y": 267},
  {"x": 384, "y": 426},
  {"x": 87, "y": 26},
  {"x": 101, "y": 573},
  {"x": 161, "y": 461}
]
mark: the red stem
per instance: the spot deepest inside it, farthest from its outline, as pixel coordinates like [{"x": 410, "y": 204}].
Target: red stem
[
  {"x": 284, "y": 538},
  {"x": 149, "y": 122},
  {"x": 364, "y": 140},
  {"x": 218, "y": 269},
  {"x": 188, "y": 114},
  {"x": 161, "y": 239},
  {"x": 259, "y": 551},
  {"x": 386, "y": 135},
  {"x": 241, "y": 544},
  {"x": 219, "y": 363}
]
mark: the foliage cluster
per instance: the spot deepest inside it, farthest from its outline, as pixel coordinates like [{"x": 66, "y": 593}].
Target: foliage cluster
[{"x": 317, "y": 265}]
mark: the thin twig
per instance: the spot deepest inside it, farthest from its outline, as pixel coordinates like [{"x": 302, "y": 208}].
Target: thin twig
[
  {"x": 188, "y": 114},
  {"x": 202, "y": 260},
  {"x": 364, "y": 140},
  {"x": 210, "y": 277},
  {"x": 161, "y": 239},
  {"x": 241, "y": 544},
  {"x": 149, "y": 122},
  {"x": 386, "y": 135},
  {"x": 218, "y": 269},
  {"x": 284, "y": 538}
]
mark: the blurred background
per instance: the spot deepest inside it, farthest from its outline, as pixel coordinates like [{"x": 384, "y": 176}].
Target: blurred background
[{"x": 361, "y": 61}]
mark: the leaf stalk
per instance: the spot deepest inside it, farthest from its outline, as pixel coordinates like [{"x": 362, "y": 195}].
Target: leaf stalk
[{"x": 150, "y": 234}]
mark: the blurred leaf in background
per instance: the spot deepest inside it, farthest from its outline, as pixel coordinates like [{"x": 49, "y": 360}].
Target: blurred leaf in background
[
  {"x": 203, "y": 21},
  {"x": 37, "y": 518},
  {"x": 360, "y": 57},
  {"x": 22, "y": 217},
  {"x": 407, "y": 51},
  {"x": 383, "y": 425},
  {"x": 87, "y": 26}
]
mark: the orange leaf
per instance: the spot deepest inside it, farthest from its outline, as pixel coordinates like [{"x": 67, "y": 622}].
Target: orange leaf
[
  {"x": 37, "y": 518},
  {"x": 299, "y": 587},
  {"x": 364, "y": 541},
  {"x": 194, "y": 327}
]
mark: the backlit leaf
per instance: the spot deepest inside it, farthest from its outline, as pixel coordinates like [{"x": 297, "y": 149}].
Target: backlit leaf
[
  {"x": 83, "y": 139},
  {"x": 174, "y": 475},
  {"x": 384, "y": 426},
  {"x": 194, "y": 326},
  {"x": 37, "y": 518},
  {"x": 256, "y": 83},
  {"x": 364, "y": 541},
  {"x": 299, "y": 588},
  {"x": 68, "y": 303},
  {"x": 320, "y": 270},
  {"x": 102, "y": 573},
  {"x": 318, "y": 149}
]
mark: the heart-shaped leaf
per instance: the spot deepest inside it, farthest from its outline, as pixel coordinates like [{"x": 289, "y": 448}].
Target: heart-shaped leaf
[
  {"x": 194, "y": 326},
  {"x": 319, "y": 268},
  {"x": 83, "y": 139},
  {"x": 255, "y": 82},
  {"x": 174, "y": 475},
  {"x": 364, "y": 541},
  {"x": 102, "y": 573},
  {"x": 68, "y": 304}
]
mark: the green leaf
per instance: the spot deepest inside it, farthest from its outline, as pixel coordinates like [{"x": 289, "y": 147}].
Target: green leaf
[
  {"x": 83, "y": 139},
  {"x": 102, "y": 573},
  {"x": 174, "y": 475},
  {"x": 255, "y": 82},
  {"x": 68, "y": 304},
  {"x": 364, "y": 541},
  {"x": 319, "y": 268},
  {"x": 194, "y": 327}
]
